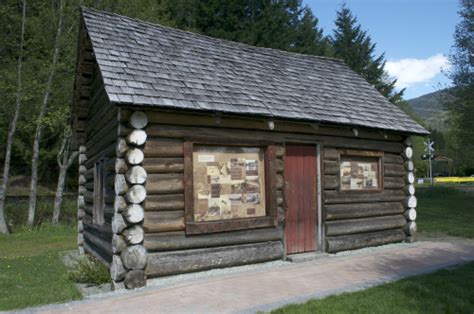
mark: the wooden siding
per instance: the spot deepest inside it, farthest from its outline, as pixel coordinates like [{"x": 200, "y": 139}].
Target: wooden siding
[
  {"x": 164, "y": 223},
  {"x": 100, "y": 141},
  {"x": 369, "y": 215},
  {"x": 357, "y": 219}
]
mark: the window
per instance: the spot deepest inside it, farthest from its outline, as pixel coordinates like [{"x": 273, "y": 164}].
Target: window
[
  {"x": 361, "y": 173},
  {"x": 226, "y": 187},
  {"x": 99, "y": 191}
]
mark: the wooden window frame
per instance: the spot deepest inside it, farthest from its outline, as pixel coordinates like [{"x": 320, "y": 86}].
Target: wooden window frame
[
  {"x": 99, "y": 192},
  {"x": 269, "y": 220},
  {"x": 364, "y": 154}
]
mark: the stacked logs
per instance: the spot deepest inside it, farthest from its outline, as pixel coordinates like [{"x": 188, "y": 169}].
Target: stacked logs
[
  {"x": 80, "y": 200},
  {"x": 357, "y": 220},
  {"x": 410, "y": 201},
  {"x": 130, "y": 257}
]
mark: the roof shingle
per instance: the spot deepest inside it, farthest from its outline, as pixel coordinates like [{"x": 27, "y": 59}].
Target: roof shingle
[{"x": 151, "y": 65}]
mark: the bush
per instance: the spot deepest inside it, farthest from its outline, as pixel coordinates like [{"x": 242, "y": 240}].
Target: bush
[
  {"x": 90, "y": 270},
  {"x": 17, "y": 211}
]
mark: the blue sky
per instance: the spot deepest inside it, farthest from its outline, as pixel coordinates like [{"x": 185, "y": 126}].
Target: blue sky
[{"x": 416, "y": 36}]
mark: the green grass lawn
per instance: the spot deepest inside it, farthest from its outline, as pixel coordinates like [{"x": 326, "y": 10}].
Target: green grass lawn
[
  {"x": 445, "y": 210},
  {"x": 31, "y": 271},
  {"x": 445, "y": 291}
]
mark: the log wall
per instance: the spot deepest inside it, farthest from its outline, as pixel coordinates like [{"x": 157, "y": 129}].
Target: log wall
[
  {"x": 100, "y": 137},
  {"x": 355, "y": 220},
  {"x": 146, "y": 222},
  {"x": 170, "y": 250}
]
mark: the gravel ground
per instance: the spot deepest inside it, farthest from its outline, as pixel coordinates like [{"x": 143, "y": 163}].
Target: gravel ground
[{"x": 93, "y": 292}]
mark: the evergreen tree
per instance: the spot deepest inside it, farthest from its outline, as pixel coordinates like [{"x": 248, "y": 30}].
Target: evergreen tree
[
  {"x": 309, "y": 39},
  {"x": 355, "y": 47},
  {"x": 461, "y": 104},
  {"x": 278, "y": 24}
]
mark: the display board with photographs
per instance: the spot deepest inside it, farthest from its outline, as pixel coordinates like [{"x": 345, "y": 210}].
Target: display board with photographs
[
  {"x": 360, "y": 174},
  {"x": 229, "y": 182}
]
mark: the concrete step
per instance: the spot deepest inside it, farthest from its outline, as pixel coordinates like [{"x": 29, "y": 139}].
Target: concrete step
[{"x": 305, "y": 257}]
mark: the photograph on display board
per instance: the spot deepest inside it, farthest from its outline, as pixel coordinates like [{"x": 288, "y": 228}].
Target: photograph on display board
[
  {"x": 229, "y": 183},
  {"x": 359, "y": 174}
]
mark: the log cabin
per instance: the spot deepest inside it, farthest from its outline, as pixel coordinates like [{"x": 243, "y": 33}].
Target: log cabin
[{"x": 199, "y": 153}]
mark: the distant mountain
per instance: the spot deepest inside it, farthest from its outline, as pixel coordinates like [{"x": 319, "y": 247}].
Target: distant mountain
[{"x": 430, "y": 109}]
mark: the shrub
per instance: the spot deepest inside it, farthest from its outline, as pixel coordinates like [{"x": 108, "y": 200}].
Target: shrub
[{"x": 89, "y": 269}]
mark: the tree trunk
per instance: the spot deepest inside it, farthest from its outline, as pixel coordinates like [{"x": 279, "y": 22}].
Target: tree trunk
[
  {"x": 64, "y": 164},
  {"x": 12, "y": 130},
  {"x": 39, "y": 126}
]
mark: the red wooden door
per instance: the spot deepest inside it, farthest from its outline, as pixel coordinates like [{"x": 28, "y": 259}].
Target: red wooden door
[{"x": 301, "y": 213}]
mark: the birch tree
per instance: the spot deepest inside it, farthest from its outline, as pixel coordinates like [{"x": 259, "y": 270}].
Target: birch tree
[
  {"x": 65, "y": 159},
  {"x": 39, "y": 124},
  {"x": 12, "y": 128}
]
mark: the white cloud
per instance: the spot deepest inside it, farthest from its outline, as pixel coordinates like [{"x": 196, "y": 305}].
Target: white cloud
[{"x": 412, "y": 71}]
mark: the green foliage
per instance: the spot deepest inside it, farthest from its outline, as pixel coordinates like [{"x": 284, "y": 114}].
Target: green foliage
[
  {"x": 41, "y": 21},
  {"x": 31, "y": 271},
  {"x": 17, "y": 211},
  {"x": 445, "y": 291},
  {"x": 356, "y": 48},
  {"x": 283, "y": 24},
  {"x": 87, "y": 269},
  {"x": 421, "y": 166},
  {"x": 461, "y": 103}
]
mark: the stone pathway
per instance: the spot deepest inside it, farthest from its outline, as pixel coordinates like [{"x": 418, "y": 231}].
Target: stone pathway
[{"x": 263, "y": 290}]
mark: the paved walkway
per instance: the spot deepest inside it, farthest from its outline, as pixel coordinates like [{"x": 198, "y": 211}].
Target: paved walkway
[{"x": 263, "y": 290}]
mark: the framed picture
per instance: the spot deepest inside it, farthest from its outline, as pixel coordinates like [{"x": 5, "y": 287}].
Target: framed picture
[
  {"x": 360, "y": 173},
  {"x": 228, "y": 182},
  {"x": 226, "y": 187}
]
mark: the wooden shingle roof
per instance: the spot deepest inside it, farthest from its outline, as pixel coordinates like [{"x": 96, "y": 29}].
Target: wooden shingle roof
[{"x": 151, "y": 65}]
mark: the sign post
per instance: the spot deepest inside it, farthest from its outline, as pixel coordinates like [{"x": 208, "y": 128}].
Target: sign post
[{"x": 429, "y": 149}]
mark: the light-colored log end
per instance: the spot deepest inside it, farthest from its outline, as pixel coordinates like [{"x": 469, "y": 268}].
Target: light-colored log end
[
  {"x": 138, "y": 120},
  {"x": 410, "y": 214},
  {"x": 136, "y": 175},
  {"x": 134, "y": 213},
  {"x": 134, "y": 156},
  {"x": 137, "y": 138},
  {"x": 117, "y": 271},
  {"x": 120, "y": 184},
  {"x": 134, "y": 234},
  {"x": 409, "y": 189},
  {"x": 410, "y": 228},
  {"x": 136, "y": 194},
  {"x": 119, "y": 204},
  {"x": 410, "y": 178},
  {"x": 411, "y": 202},
  {"x": 118, "y": 224},
  {"x": 135, "y": 279},
  {"x": 134, "y": 257}
]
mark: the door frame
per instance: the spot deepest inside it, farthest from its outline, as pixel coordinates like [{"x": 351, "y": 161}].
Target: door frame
[{"x": 321, "y": 244}]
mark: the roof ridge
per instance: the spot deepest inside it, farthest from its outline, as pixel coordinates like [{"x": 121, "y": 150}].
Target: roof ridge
[{"x": 225, "y": 41}]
